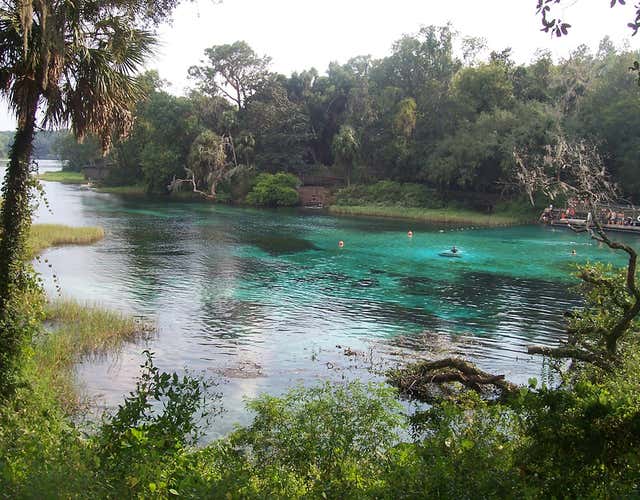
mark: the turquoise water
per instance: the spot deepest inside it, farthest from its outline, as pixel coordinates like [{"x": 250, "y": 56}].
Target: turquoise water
[{"x": 264, "y": 299}]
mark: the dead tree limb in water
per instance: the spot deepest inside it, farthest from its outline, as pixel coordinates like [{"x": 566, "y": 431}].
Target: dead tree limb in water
[{"x": 424, "y": 379}]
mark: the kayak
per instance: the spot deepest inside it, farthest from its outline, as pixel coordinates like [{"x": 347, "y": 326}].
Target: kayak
[{"x": 450, "y": 254}]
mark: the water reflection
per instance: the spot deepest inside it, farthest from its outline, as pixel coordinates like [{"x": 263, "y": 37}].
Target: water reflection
[{"x": 263, "y": 298}]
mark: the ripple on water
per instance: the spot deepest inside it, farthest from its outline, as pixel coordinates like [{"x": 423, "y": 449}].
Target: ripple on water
[{"x": 233, "y": 288}]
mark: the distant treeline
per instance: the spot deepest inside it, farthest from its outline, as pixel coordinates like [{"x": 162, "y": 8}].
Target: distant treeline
[
  {"x": 45, "y": 146},
  {"x": 427, "y": 113}
]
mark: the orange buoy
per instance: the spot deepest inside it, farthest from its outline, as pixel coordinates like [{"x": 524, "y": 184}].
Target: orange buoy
[
  {"x": 410, "y": 234},
  {"x": 341, "y": 243}
]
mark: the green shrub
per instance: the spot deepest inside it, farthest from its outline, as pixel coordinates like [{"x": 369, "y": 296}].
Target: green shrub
[
  {"x": 152, "y": 426},
  {"x": 462, "y": 449},
  {"x": 582, "y": 440},
  {"x": 329, "y": 441},
  {"x": 274, "y": 190}
]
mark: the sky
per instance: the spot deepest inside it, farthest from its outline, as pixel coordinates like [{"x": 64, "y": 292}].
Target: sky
[{"x": 300, "y": 34}]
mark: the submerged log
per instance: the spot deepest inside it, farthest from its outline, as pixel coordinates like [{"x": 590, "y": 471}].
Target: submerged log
[{"x": 426, "y": 380}]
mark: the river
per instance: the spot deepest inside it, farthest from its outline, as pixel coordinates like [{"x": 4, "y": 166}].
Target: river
[{"x": 263, "y": 299}]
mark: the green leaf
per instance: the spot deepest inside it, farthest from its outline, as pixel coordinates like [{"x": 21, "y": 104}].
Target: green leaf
[{"x": 467, "y": 444}]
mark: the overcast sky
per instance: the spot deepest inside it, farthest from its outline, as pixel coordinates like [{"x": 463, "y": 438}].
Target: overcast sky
[{"x": 300, "y": 34}]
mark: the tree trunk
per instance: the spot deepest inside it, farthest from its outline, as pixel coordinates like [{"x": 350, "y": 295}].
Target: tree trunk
[{"x": 15, "y": 220}]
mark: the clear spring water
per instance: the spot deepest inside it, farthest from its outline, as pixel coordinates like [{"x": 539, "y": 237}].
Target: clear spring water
[{"x": 262, "y": 300}]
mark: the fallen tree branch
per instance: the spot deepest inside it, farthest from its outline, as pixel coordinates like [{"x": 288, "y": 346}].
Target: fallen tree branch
[
  {"x": 422, "y": 379},
  {"x": 178, "y": 182}
]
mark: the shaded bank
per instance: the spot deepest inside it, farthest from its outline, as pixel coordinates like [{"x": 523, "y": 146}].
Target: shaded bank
[{"x": 435, "y": 215}]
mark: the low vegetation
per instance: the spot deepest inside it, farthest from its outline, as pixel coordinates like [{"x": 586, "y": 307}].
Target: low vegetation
[
  {"x": 63, "y": 176},
  {"x": 42, "y": 236},
  {"x": 74, "y": 332},
  {"x": 390, "y": 194},
  {"x": 419, "y": 202},
  {"x": 435, "y": 215}
]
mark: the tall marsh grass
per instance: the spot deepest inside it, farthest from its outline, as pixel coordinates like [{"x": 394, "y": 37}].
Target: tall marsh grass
[
  {"x": 42, "y": 236},
  {"x": 75, "y": 332}
]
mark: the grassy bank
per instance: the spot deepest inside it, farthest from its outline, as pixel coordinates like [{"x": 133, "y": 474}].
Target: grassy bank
[
  {"x": 436, "y": 215},
  {"x": 43, "y": 236},
  {"x": 42, "y": 452},
  {"x": 75, "y": 332},
  {"x": 64, "y": 177},
  {"x": 134, "y": 190}
]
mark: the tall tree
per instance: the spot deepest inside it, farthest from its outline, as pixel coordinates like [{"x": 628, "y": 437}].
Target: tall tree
[
  {"x": 232, "y": 70},
  {"x": 75, "y": 62},
  {"x": 345, "y": 148},
  {"x": 281, "y": 128}
]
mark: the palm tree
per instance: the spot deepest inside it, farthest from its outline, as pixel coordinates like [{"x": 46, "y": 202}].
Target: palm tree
[
  {"x": 66, "y": 62},
  {"x": 345, "y": 147},
  {"x": 207, "y": 162}
]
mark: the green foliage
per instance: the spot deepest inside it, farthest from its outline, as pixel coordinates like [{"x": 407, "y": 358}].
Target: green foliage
[
  {"x": 582, "y": 440},
  {"x": 327, "y": 440},
  {"x": 274, "y": 190},
  {"x": 44, "y": 144},
  {"x": 484, "y": 88},
  {"x": 233, "y": 65},
  {"x": 155, "y": 422},
  {"x": 462, "y": 449},
  {"x": 479, "y": 154},
  {"x": 207, "y": 161},
  {"x": 41, "y": 452},
  {"x": 20, "y": 324},
  {"x": 404, "y": 121},
  {"x": 75, "y": 154},
  {"x": 417, "y": 115},
  {"x": 131, "y": 454},
  {"x": 389, "y": 193},
  {"x": 345, "y": 147},
  {"x": 278, "y": 129},
  {"x": 610, "y": 115}
]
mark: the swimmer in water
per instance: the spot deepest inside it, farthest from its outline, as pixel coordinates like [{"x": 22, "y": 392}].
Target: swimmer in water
[{"x": 573, "y": 252}]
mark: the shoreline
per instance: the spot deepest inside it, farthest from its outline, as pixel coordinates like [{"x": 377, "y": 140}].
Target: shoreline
[{"x": 449, "y": 216}]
